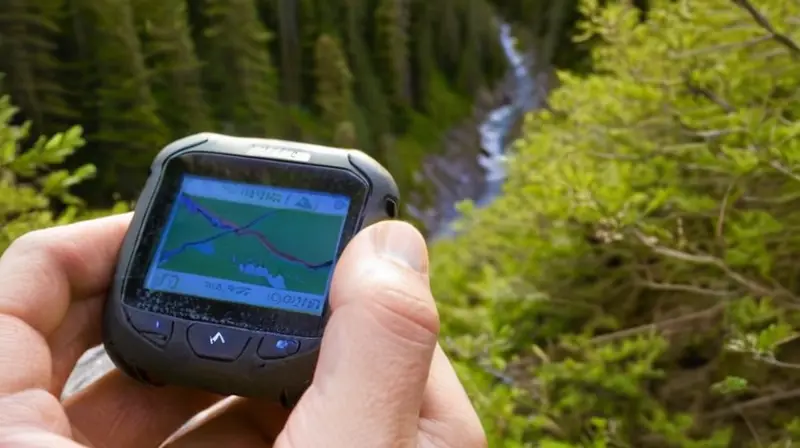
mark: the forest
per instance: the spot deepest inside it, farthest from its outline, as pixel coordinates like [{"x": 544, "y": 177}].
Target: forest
[
  {"x": 635, "y": 285},
  {"x": 385, "y": 76}
]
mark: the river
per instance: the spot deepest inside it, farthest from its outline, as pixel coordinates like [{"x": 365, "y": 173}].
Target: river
[
  {"x": 494, "y": 134},
  {"x": 496, "y": 129}
]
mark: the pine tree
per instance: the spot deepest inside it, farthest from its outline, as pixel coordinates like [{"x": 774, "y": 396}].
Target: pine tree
[
  {"x": 291, "y": 51},
  {"x": 175, "y": 69},
  {"x": 243, "y": 83},
  {"x": 28, "y": 38},
  {"x": 470, "y": 67},
  {"x": 423, "y": 60},
  {"x": 126, "y": 130},
  {"x": 449, "y": 47},
  {"x": 334, "y": 81},
  {"x": 372, "y": 125},
  {"x": 392, "y": 22}
]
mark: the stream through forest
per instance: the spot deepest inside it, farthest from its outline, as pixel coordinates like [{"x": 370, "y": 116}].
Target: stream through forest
[{"x": 494, "y": 132}]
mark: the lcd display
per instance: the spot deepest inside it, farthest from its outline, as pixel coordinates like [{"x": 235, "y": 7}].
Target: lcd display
[{"x": 259, "y": 245}]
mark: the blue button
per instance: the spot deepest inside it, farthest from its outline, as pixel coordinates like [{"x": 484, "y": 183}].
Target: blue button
[
  {"x": 145, "y": 322},
  {"x": 273, "y": 347}
]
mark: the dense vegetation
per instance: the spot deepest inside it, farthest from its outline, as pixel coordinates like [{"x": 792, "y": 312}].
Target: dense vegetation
[
  {"x": 386, "y": 76},
  {"x": 637, "y": 284}
]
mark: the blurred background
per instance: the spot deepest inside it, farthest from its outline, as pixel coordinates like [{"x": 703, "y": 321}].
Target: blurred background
[{"x": 609, "y": 187}]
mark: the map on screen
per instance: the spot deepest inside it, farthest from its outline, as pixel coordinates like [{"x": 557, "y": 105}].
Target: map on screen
[{"x": 260, "y": 245}]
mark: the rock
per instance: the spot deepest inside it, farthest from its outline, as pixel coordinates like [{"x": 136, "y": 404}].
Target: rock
[{"x": 92, "y": 365}]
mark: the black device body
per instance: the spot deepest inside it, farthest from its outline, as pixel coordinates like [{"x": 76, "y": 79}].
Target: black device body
[{"x": 226, "y": 347}]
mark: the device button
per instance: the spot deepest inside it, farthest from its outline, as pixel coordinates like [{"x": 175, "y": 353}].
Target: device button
[
  {"x": 273, "y": 346},
  {"x": 309, "y": 344},
  {"x": 154, "y": 327},
  {"x": 220, "y": 343}
]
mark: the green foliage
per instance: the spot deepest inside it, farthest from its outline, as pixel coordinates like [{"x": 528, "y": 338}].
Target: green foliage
[
  {"x": 244, "y": 82},
  {"x": 637, "y": 284},
  {"x": 30, "y": 32},
  {"x": 137, "y": 73},
  {"x": 334, "y": 81},
  {"x": 170, "y": 52},
  {"x": 31, "y": 182},
  {"x": 392, "y": 19},
  {"x": 122, "y": 120}
]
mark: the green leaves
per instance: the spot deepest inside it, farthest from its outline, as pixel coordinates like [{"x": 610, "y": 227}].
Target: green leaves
[
  {"x": 731, "y": 385},
  {"x": 30, "y": 183},
  {"x": 644, "y": 255}
]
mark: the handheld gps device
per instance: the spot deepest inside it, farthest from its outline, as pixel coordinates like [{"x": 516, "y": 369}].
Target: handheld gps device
[{"x": 222, "y": 280}]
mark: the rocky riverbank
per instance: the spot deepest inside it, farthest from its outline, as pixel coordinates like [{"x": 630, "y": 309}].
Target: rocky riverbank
[{"x": 455, "y": 173}]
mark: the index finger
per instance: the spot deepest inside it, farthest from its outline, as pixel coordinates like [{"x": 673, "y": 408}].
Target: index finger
[
  {"x": 44, "y": 277},
  {"x": 43, "y": 270},
  {"x": 39, "y": 274}
]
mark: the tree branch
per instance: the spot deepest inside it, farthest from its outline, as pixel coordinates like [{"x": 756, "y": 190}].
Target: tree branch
[
  {"x": 709, "y": 95},
  {"x": 686, "y": 288},
  {"x": 752, "y": 404},
  {"x": 661, "y": 326},
  {"x": 763, "y": 22},
  {"x": 704, "y": 260}
]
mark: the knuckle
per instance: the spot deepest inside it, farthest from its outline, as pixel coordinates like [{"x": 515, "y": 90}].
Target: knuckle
[
  {"x": 27, "y": 242},
  {"x": 41, "y": 243},
  {"x": 45, "y": 249},
  {"x": 34, "y": 407},
  {"x": 407, "y": 314}
]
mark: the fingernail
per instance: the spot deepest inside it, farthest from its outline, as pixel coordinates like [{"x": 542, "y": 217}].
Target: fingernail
[{"x": 403, "y": 243}]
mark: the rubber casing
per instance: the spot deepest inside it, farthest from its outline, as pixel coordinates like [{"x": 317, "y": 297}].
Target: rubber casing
[{"x": 282, "y": 380}]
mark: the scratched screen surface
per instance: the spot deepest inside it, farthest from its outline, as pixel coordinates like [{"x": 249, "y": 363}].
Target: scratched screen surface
[{"x": 254, "y": 244}]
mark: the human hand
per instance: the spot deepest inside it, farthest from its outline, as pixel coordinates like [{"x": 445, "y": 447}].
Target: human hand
[{"x": 381, "y": 381}]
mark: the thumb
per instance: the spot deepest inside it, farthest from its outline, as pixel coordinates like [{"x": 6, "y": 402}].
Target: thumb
[{"x": 378, "y": 343}]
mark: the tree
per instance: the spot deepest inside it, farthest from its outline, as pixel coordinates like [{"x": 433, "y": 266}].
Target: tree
[
  {"x": 28, "y": 35},
  {"x": 243, "y": 81},
  {"x": 334, "y": 80},
  {"x": 392, "y": 22},
  {"x": 291, "y": 50},
  {"x": 637, "y": 284},
  {"x": 123, "y": 119},
  {"x": 27, "y": 196},
  {"x": 137, "y": 73},
  {"x": 176, "y": 72}
]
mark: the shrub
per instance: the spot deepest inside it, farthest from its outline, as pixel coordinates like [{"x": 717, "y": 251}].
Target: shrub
[
  {"x": 31, "y": 187},
  {"x": 638, "y": 284}
]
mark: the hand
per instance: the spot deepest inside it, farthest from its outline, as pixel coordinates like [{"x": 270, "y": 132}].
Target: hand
[{"x": 381, "y": 381}]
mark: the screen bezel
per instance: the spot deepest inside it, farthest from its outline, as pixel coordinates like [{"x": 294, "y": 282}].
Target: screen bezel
[{"x": 245, "y": 170}]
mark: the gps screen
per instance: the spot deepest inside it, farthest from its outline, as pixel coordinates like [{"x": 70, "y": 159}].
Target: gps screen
[{"x": 253, "y": 244}]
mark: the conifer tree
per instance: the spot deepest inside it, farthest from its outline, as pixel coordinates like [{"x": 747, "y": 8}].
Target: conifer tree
[
  {"x": 243, "y": 83},
  {"x": 126, "y": 130},
  {"x": 29, "y": 33},
  {"x": 391, "y": 29},
  {"x": 334, "y": 81},
  {"x": 423, "y": 54},
  {"x": 176, "y": 73},
  {"x": 369, "y": 92},
  {"x": 470, "y": 67},
  {"x": 449, "y": 48},
  {"x": 291, "y": 51}
]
